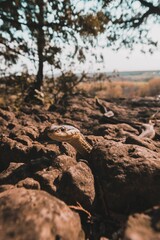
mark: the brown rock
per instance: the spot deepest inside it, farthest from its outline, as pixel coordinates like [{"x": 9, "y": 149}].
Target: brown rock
[
  {"x": 68, "y": 149},
  {"x": 11, "y": 150},
  {"x": 29, "y": 183},
  {"x": 25, "y": 140},
  {"x": 6, "y": 187},
  {"x": 7, "y": 115},
  {"x": 77, "y": 185},
  {"x": 112, "y": 130},
  {"x": 63, "y": 162},
  {"x": 46, "y": 178},
  {"x": 22, "y": 174},
  {"x": 38, "y": 150},
  {"x": 14, "y": 173},
  {"x": 35, "y": 215},
  {"x": 143, "y": 226},
  {"x": 129, "y": 174},
  {"x": 29, "y": 131},
  {"x": 138, "y": 141},
  {"x": 46, "y": 171}
]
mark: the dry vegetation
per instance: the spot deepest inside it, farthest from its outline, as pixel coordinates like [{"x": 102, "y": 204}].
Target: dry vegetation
[
  {"x": 116, "y": 89},
  {"x": 13, "y": 89}
]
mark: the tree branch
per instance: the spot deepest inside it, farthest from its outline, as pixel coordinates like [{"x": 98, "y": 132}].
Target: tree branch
[
  {"x": 140, "y": 19},
  {"x": 17, "y": 52},
  {"x": 153, "y": 9},
  {"x": 146, "y": 4},
  {"x": 33, "y": 25},
  {"x": 3, "y": 17},
  {"x": 135, "y": 21}
]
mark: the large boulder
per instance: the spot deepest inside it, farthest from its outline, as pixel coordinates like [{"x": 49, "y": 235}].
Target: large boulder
[
  {"x": 129, "y": 175},
  {"x": 36, "y": 215}
]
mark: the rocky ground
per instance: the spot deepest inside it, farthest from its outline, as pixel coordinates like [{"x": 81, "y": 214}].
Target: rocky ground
[{"x": 48, "y": 191}]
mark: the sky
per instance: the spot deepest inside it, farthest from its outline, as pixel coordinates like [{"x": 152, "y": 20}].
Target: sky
[
  {"x": 126, "y": 60},
  {"x": 123, "y": 60}
]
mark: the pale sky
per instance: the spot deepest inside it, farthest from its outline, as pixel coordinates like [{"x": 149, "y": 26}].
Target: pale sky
[
  {"x": 124, "y": 60},
  {"x": 121, "y": 60},
  {"x": 137, "y": 60}
]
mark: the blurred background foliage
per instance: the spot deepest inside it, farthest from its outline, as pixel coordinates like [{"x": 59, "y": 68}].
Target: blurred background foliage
[{"x": 64, "y": 31}]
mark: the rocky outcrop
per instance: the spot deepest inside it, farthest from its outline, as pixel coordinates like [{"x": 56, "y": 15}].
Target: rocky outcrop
[{"x": 121, "y": 174}]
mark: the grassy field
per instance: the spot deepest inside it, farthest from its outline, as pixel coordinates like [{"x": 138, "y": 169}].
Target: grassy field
[
  {"x": 13, "y": 88},
  {"x": 118, "y": 88}
]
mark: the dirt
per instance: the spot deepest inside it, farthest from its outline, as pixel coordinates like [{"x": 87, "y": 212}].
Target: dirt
[{"x": 49, "y": 191}]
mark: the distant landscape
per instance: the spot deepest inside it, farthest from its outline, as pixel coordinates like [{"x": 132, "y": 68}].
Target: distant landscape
[
  {"x": 138, "y": 75},
  {"x": 128, "y": 75},
  {"x": 127, "y": 84}
]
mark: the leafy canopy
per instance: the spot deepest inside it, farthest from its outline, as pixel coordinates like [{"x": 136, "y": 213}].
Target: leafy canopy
[
  {"x": 42, "y": 29},
  {"x": 131, "y": 22}
]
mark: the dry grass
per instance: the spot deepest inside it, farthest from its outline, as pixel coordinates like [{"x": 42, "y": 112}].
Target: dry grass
[
  {"x": 116, "y": 89},
  {"x": 13, "y": 89}
]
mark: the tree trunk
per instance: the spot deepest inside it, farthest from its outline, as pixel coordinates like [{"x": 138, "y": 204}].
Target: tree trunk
[
  {"x": 39, "y": 78},
  {"x": 40, "y": 46}
]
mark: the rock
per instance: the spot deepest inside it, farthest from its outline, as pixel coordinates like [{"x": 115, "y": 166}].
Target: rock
[
  {"x": 143, "y": 226},
  {"x": 25, "y": 140},
  {"x": 6, "y": 187},
  {"x": 39, "y": 173},
  {"x": 68, "y": 149},
  {"x": 63, "y": 162},
  {"x": 14, "y": 173},
  {"x": 11, "y": 150},
  {"x": 112, "y": 130},
  {"x": 129, "y": 175},
  {"x": 46, "y": 171},
  {"x": 29, "y": 183},
  {"x": 7, "y": 115},
  {"x": 138, "y": 141},
  {"x": 31, "y": 214},
  {"x": 22, "y": 149},
  {"x": 77, "y": 185},
  {"x": 46, "y": 177},
  {"x": 38, "y": 150},
  {"x": 25, "y": 131}
]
